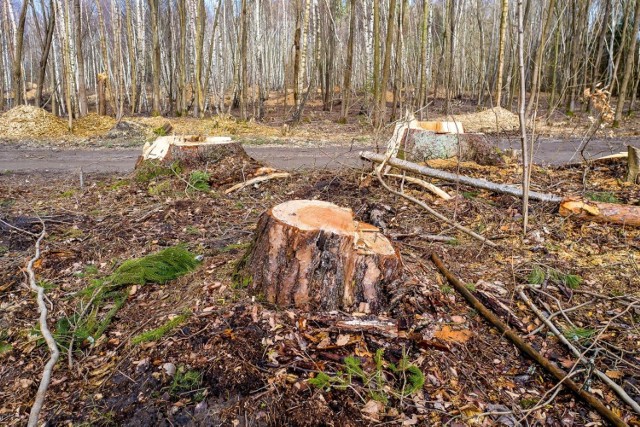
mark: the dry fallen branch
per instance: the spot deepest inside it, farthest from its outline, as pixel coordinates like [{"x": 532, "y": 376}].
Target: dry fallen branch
[
  {"x": 424, "y": 184},
  {"x": 447, "y": 176},
  {"x": 263, "y": 178},
  {"x": 571, "y": 206},
  {"x": 603, "y": 377},
  {"x": 46, "y": 334},
  {"x": 435, "y": 213},
  {"x": 558, "y": 373}
]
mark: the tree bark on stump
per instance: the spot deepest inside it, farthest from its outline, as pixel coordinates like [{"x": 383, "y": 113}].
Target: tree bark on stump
[
  {"x": 191, "y": 150},
  {"x": 633, "y": 164},
  {"x": 313, "y": 255}
]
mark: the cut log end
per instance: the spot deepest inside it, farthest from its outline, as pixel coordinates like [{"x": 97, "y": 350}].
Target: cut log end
[
  {"x": 312, "y": 255},
  {"x": 589, "y": 210}
]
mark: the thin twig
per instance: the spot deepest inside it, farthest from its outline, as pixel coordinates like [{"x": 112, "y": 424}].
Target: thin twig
[
  {"x": 526, "y": 348},
  {"x": 46, "y": 334},
  {"x": 603, "y": 377}
]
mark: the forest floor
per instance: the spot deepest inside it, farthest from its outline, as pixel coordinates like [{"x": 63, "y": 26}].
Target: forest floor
[{"x": 199, "y": 350}]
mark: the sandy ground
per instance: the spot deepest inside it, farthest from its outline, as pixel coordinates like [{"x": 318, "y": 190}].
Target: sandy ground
[{"x": 20, "y": 159}]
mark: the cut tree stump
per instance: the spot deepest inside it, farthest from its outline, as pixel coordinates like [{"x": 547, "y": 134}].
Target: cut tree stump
[
  {"x": 313, "y": 255},
  {"x": 191, "y": 150}
]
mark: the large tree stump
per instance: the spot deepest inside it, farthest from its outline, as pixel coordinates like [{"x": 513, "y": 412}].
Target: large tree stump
[
  {"x": 313, "y": 255},
  {"x": 191, "y": 150},
  {"x": 224, "y": 160}
]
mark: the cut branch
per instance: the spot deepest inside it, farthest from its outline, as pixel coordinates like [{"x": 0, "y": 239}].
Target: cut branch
[
  {"x": 46, "y": 334},
  {"x": 263, "y": 178},
  {"x": 447, "y": 176},
  {"x": 558, "y": 373},
  {"x": 603, "y": 377},
  {"x": 434, "y": 212},
  {"x": 424, "y": 184},
  {"x": 601, "y": 212}
]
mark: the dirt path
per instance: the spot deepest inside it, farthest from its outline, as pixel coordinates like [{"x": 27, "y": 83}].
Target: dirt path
[{"x": 17, "y": 159}]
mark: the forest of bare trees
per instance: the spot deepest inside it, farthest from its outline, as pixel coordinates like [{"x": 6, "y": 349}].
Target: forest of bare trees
[{"x": 377, "y": 57}]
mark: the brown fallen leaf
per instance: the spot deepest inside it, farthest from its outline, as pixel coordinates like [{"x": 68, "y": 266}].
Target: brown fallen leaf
[
  {"x": 372, "y": 409},
  {"x": 614, "y": 375},
  {"x": 448, "y": 334}
]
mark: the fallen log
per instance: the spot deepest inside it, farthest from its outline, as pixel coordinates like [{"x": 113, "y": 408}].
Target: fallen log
[
  {"x": 448, "y": 176},
  {"x": 527, "y": 349},
  {"x": 313, "y": 255},
  {"x": 589, "y": 210},
  {"x": 569, "y": 206}
]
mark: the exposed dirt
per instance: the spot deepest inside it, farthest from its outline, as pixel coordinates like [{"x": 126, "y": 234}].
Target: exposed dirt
[{"x": 241, "y": 362}]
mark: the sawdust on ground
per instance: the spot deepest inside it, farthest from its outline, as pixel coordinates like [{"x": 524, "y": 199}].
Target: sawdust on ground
[
  {"x": 26, "y": 121},
  {"x": 92, "y": 124},
  {"x": 495, "y": 119}
]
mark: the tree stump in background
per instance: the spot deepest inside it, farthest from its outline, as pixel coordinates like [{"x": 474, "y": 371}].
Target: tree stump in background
[
  {"x": 313, "y": 255},
  {"x": 102, "y": 94},
  {"x": 191, "y": 150}
]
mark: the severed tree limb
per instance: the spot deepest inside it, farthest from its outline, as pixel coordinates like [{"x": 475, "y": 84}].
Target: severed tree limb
[
  {"x": 424, "y": 184},
  {"x": 434, "y": 212},
  {"x": 603, "y": 377},
  {"x": 558, "y": 373},
  {"x": 46, "y": 334},
  {"x": 256, "y": 180},
  {"x": 474, "y": 182}
]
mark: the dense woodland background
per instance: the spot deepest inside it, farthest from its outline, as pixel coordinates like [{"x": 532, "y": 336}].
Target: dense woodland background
[{"x": 376, "y": 57}]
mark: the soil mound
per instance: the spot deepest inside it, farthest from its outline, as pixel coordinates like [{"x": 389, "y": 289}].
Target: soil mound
[
  {"x": 26, "y": 121},
  {"x": 492, "y": 120}
]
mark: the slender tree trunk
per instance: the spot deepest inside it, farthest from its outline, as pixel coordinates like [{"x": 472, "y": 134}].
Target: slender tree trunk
[
  {"x": 501, "y": 46},
  {"x": 44, "y": 57},
  {"x": 595, "y": 75},
  {"x": 82, "y": 86},
  {"x": 399, "y": 67},
  {"x": 18, "y": 84},
  {"x": 155, "y": 40},
  {"x": 348, "y": 70},
  {"x": 386, "y": 66},
  {"x": 243, "y": 61},
  {"x": 623, "y": 43},
  {"x": 423, "y": 85},
  {"x": 481, "y": 65},
  {"x": 554, "y": 77},
  {"x": 450, "y": 58},
  {"x": 131, "y": 48},
  {"x": 182, "y": 59},
  {"x": 526, "y": 161},
  {"x": 628, "y": 67},
  {"x": 537, "y": 65},
  {"x": 105, "y": 57},
  {"x": 200, "y": 28},
  {"x": 301, "y": 62},
  {"x": 376, "y": 56}
]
